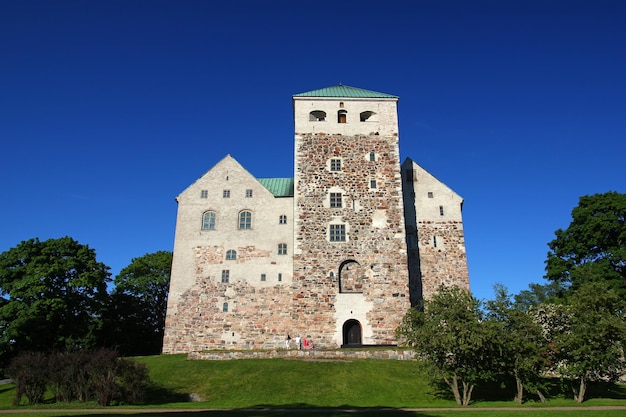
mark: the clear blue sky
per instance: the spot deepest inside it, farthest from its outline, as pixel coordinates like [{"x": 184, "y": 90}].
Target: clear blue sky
[{"x": 109, "y": 109}]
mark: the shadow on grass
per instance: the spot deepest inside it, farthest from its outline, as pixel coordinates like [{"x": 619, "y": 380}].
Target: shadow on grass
[
  {"x": 488, "y": 391},
  {"x": 275, "y": 411}
]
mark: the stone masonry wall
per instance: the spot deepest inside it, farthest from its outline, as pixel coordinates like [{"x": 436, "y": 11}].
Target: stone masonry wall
[{"x": 375, "y": 235}]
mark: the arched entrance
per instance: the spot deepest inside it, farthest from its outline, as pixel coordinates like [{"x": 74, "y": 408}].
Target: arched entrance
[{"x": 351, "y": 333}]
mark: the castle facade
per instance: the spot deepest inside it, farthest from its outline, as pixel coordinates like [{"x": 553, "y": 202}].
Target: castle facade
[{"x": 337, "y": 254}]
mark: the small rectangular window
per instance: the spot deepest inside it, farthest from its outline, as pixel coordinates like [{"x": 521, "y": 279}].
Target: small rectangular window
[
  {"x": 282, "y": 249},
  {"x": 225, "y": 308},
  {"x": 280, "y": 277},
  {"x": 248, "y": 193},
  {"x": 441, "y": 210},
  {"x": 337, "y": 233},
  {"x": 226, "y": 194},
  {"x": 430, "y": 194},
  {"x": 335, "y": 200},
  {"x": 263, "y": 277},
  {"x": 282, "y": 219},
  {"x": 335, "y": 164},
  {"x": 372, "y": 156},
  {"x": 372, "y": 183},
  {"x": 225, "y": 275},
  {"x": 204, "y": 193}
]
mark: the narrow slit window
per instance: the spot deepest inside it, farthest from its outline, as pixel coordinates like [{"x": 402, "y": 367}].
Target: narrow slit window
[
  {"x": 435, "y": 241},
  {"x": 280, "y": 277},
  {"x": 441, "y": 210}
]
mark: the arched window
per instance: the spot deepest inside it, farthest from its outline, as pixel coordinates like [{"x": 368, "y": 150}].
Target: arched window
[
  {"x": 351, "y": 277},
  {"x": 317, "y": 116},
  {"x": 208, "y": 220},
  {"x": 342, "y": 116},
  {"x": 368, "y": 116},
  {"x": 231, "y": 255},
  {"x": 245, "y": 220}
]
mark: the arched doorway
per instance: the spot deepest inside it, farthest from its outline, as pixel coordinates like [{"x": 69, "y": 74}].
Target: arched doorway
[{"x": 351, "y": 333}]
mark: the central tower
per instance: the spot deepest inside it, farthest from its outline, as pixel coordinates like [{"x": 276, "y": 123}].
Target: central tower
[{"x": 350, "y": 257}]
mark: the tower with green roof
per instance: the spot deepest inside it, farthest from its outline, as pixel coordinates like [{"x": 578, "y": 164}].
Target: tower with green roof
[{"x": 350, "y": 255}]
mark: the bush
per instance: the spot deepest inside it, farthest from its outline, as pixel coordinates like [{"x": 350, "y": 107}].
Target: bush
[
  {"x": 79, "y": 376},
  {"x": 30, "y": 372}
]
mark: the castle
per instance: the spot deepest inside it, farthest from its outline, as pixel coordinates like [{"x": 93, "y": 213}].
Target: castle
[{"x": 338, "y": 253}]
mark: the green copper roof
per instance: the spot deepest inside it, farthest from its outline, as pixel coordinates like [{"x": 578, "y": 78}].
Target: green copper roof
[
  {"x": 344, "y": 91},
  {"x": 280, "y": 187}
]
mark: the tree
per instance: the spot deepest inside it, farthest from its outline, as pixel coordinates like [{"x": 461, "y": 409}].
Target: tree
[
  {"x": 136, "y": 316},
  {"x": 53, "y": 296},
  {"x": 593, "y": 247},
  {"x": 521, "y": 343},
  {"x": 591, "y": 346},
  {"x": 449, "y": 334}
]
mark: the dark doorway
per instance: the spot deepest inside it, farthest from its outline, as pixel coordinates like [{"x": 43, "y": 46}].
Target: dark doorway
[{"x": 352, "y": 333}]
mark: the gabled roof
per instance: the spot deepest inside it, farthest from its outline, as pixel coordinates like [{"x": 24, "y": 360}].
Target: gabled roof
[
  {"x": 280, "y": 187},
  {"x": 344, "y": 91}
]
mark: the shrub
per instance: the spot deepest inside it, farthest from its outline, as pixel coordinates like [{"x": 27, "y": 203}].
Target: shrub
[{"x": 29, "y": 371}]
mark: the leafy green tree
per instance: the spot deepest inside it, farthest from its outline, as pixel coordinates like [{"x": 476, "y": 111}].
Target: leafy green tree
[
  {"x": 521, "y": 343},
  {"x": 593, "y": 247},
  {"x": 53, "y": 296},
  {"x": 450, "y": 335},
  {"x": 135, "y": 320},
  {"x": 591, "y": 346}
]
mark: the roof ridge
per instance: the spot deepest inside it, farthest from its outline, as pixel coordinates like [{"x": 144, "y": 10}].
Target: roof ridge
[{"x": 344, "y": 91}]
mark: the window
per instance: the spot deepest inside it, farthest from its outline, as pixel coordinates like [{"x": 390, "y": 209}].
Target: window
[
  {"x": 225, "y": 276},
  {"x": 282, "y": 249},
  {"x": 372, "y": 183},
  {"x": 441, "y": 210},
  {"x": 280, "y": 277},
  {"x": 208, "y": 220},
  {"x": 263, "y": 277},
  {"x": 225, "y": 308},
  {"x": 372, "y": 156},
  {"x": 430, "y": 194},
  {"x": 335, "y": 164},
  {"x": 204, "y": 193},
  {"x": 231, "y": 255},
  {"x": 226, "y": 194},
  {"x": 342, "y": 116},
  {"x": 367, "y": 115},
  {"x": 245, "y": 220},
  {"x": 335, "y": 200},
  {"x": 337, "y": 232},
  {"x": 248, "y": 193},
  {"x": 435, "y": 241},
  {"x": 282, "y": 219},
  {"x": 317, "y": 116}
]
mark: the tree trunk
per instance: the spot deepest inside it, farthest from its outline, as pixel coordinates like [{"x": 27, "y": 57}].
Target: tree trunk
[
  {"x": 467, "y": 392},
  {"x": 454, "y": 386},
  {"x": 580, "y": 397},
  {"x": 542, "y": 398},
  {"x": 519, "y": 397}
]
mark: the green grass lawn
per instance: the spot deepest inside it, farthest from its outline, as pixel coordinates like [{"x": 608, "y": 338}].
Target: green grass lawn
[{"x": 389, "y": 386}]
